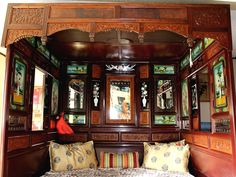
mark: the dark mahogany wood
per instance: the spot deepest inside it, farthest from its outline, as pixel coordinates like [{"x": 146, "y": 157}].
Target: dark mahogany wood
[
  {"x": 116, "y": 33},
  {"x": 31, "y": 163}
]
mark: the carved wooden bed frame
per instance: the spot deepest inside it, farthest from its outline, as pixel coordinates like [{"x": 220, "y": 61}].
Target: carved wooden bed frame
[{"x": 194, "y": 21}]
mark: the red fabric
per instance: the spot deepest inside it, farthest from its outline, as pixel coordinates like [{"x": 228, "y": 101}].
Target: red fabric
[{"x": 63, "y": 127}]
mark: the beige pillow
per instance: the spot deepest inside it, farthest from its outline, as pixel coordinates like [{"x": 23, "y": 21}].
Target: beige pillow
[
  {"x": 72, "y": 156},
  {"x": 166, "y": 158},
  {"x": 175, "y": 143}
]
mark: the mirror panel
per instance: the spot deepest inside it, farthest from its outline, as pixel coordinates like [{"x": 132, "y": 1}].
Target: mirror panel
[
  {"x": 38, "y": 100},
  {"x": 200, "y": 101},
  {"x": 204, "y": 99},
  {"x": 76, "y": 95},
  {"x": 164, "y": 95}
]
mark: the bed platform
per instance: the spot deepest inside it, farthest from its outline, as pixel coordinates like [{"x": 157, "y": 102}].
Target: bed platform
[{"x": 113, "y": 172}]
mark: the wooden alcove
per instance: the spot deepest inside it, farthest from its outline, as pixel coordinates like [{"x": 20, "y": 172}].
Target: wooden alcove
[{"x": 212, "y": 154}]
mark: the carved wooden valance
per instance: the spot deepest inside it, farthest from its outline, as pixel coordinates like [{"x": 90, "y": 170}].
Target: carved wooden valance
[{"x": 197, "y": 21}]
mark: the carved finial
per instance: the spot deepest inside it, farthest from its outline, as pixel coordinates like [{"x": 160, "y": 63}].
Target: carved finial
[
  {"x": 91, "y": 36},
  {"x": 190, "y": 42},
  {"x": 141, "y": 37},
  {"x": 44, "y": 40},
  {"x": 190, "y": 45}
]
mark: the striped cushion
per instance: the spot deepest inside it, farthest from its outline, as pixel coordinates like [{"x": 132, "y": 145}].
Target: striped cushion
[{"x": 114, "y": 160}]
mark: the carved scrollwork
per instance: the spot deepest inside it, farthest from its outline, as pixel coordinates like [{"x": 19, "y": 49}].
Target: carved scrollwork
[
  {"x": 223, "y": 145},
  {"x": 16, "y": 35},
  {"x": 134, "y": 137},
  {"x": 32, "y": 16},
  {"x": 211, "y": 18},
  {"x": 55, "y": 27},
  {"x": 181, "y": 29},
  {"x": 165, "y": 136},
  {"x": 222, "y": 37},
  {"x": 130, "y": 27},
  {"x": 104, "y": 136}
]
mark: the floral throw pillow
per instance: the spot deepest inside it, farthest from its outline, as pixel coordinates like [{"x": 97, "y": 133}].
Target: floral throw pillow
[
  {"x": 166, "y": 158},
  {"x": 72, "y": 156}
]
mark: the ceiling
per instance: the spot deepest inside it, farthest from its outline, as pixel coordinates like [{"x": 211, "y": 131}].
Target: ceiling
[{"x": 118, "y": 46}]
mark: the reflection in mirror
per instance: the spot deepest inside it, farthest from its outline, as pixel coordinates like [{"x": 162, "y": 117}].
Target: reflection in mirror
[
  {"x": 76, "y": 94},
  {"x": 120, "y": 100},
  {"x": 164, "y": 96},
  {"x": 204, "y": 100}
]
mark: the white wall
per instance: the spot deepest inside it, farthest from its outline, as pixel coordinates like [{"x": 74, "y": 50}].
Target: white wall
[
  {"x": 2, "y": 121},
  {"x": 233, "y": 29},
  {"x": 205, "y": 113}
]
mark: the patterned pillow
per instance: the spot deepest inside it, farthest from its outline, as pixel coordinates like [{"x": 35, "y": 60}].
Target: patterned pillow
[
  {"x": 166, "y": 158},
  {"x": 114, "y": 160},
  {"x": 72, "y": 156},
  {"x": 175, "y": 143}
]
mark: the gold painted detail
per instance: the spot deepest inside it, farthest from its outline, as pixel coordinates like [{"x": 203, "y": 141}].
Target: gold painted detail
[
  {"x": 130, "y": 27},
  {"x": 33, "y": 16}
]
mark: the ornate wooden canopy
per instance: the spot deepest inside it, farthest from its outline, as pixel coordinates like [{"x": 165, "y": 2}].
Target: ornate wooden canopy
[{"x": 196, "y": 21}]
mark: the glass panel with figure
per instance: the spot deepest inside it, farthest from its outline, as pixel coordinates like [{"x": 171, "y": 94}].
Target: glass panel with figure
[
  {"x": 54, "y": 97},
  {"x": 120, "y": 99},
  {"x": 184, "y": 99},
  {"x": 76, "y": 96},
  {"x": 38, "y": 100},
  {"x": 164, "y": 95},
  {"x": 204, "y": 100}
]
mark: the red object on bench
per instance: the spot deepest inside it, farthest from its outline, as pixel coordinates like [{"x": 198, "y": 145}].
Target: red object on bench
[{"x": 62, "y": 126}]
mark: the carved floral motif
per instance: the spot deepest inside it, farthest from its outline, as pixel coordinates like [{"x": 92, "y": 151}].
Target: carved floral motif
[
  {"x": 222, "y": 37},
  {"x": 55, "y": 27},
  {"x": 165, "y": 136},
  {"x": 135, "y": 137},
  {"x": 181, "y": 29},
  {"x": 15, "y": 35},
  {"x": 130, "y": 27},
  {"x": 223, "y": 145},
  {"x": 27, "y": 16},
  {"x": 104, "y": 136},
  {"x": 205, "y": 17}
]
